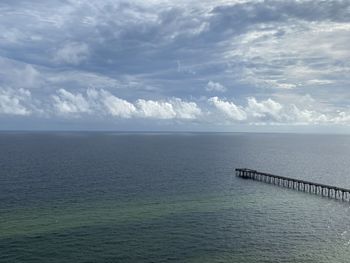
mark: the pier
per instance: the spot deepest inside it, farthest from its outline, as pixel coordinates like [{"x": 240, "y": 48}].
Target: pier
[{"x": 296, "y": 184}]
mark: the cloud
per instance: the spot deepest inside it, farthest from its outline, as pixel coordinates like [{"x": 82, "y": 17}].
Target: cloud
[
  {"x": 267, "y": 64},
  {"x": 304, "y": 116},
  {"x": 215, "y": 86},
  {"x": 72, "y": 53},
  {"x": 272, "y": 112},
  {"x": 117, "y": 107},
  {"x": 265, "y": 109},
  {"x": 229, "y": 109},
  {"x": 342, "y": 118},
  {"x": 151, "y": 60},
  {"x": 81, "y": 79},
  {"x": 186, "y": 110},
  {"x": 155, "y": 109},
  {"x": 101, "y": 102},
  {"x": 13, "y": 102},
  {"x": 172, "y": 109},
  {"x": 19, "y": 75},
  {"x": 66, "y": 102}
]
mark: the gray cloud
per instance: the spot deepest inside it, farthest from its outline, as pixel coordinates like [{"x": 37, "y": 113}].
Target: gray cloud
[{"x": 160, "y": 57}]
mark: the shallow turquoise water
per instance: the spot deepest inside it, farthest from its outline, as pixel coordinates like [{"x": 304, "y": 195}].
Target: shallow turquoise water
[{"x": 111, "y": 197}]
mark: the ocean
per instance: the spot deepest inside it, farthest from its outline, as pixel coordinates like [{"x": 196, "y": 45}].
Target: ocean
[{"x": 170, "y": 197}]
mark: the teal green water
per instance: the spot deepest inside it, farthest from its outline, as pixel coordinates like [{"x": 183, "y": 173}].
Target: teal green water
[{"x": 104, "y": 197}]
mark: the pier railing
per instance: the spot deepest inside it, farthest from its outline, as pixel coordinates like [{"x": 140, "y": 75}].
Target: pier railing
[{"x": 297, "y": 184}]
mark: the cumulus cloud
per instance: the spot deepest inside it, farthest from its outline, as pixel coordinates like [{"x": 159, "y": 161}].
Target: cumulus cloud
[
  {"x": 13, "y": 102},
  {"x": 186, "y": 110},
  {"x": 172, "y": 109},
  {"x": 117, "y": 107},
  {"x": 272, "y": 112},
  {"x": 66, "y": 102},
  {"x": 265, "y": 109},
  {"x": 102, "y": 102},
  {"x": 215, "y": 110},
  {"x": 155, "y": 109},
  {"x": 229, "y": 109},
  {"x": 304, "y": 116},
  {"x": 342, "y": 118},
  {"x": 215, "y": 86}
]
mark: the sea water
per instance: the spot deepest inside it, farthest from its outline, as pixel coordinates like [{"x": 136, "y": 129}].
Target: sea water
[{"x": 170, "y": 197}]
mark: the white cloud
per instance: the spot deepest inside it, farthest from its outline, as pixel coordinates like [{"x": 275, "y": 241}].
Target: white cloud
[
  {"x": 272, "y": 112},
  {"x": 13, "y": 102},
  {"x": 155, "y": 109},
  {"x": 229, "y": 109},
  {"x": 66, "y": 102},
  {"x": 304, "y": 116},
  {"x": 101, "y": 102},
  {"x": 117, "y": 107},
  {"x": 342, "y": 118},
  {"x": 264, "y": 109},
  {"x": 215, "y": 86},
  {"x": 72, "y": 53},
  {"x": 172, "y": 109},
  {"x": 185, "y": 110}
]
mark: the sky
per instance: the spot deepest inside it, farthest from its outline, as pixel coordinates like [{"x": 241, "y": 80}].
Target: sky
[{"x": 151, "y": 65}]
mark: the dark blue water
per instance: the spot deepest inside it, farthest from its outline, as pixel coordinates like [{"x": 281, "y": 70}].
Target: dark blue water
[{"x": 118, "y": 197}]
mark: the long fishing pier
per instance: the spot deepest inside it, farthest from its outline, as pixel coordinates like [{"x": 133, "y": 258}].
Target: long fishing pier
[{"x": 297, "y": 184}]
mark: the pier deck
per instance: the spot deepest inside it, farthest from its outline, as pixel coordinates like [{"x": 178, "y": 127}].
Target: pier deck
[{"x": 297, "y": 184}]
